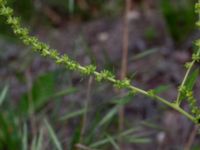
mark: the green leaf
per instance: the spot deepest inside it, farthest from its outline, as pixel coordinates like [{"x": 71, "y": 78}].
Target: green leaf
[
  {"x": 161, "y": 89},
  {"x": 53, "y": 136},
  {"x": 191, "y": 80}
]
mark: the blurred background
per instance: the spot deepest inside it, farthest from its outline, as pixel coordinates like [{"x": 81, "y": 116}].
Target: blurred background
[{"x": 45, "y": 107}]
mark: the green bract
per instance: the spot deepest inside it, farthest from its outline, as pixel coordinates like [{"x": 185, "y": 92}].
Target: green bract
[
  {"x": 196, "y": 57},
  {"x": 105, "y": 74},
  {"x": 89, "y": 70},
  {"x": 197, "y": 7}
]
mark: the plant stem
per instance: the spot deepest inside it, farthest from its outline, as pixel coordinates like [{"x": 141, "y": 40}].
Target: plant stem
[{"x": 158, "y": 98}]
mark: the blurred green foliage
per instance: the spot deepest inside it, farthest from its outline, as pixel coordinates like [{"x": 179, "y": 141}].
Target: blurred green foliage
[
  {"x": 42, "y": 90},
  {"x": 10, "y": 134},
  {"x": 85, "y": 9},
  {"x": 180, "y": 17},
  {"x": 12, "y": 116},
  {"x": 150, "y": 33}
]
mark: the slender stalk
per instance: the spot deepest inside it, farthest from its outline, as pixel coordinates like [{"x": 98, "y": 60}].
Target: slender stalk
[
  {"x": 178, "y": 100},
  {"x": 124, "y": 62},
  {"x": 192, "y": 136},
  {"x": 87, "y": 101}
]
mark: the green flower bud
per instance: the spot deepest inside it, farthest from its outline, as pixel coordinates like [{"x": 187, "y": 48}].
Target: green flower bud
[{"x": 105, "y": 74}]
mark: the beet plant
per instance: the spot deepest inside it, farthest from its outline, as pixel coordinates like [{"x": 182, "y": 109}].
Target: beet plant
[{"x": 185, "y": 90}]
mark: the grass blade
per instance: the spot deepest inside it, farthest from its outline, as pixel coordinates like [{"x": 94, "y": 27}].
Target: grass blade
[
  {"x": 40, "y": 140},
  {"x": 112, "y": 141},
  {"x": 129, "y": 131},
  {"x": 33, "y": 144},
  {"x": 53, "y": 136},
  {"x": 73, "y": 114},
  {"x": 25, "y": 138},
  {"x": 99, "y": 143},
  {"x": 3, "y": 94},
  {"x": 108, "y": 116}
]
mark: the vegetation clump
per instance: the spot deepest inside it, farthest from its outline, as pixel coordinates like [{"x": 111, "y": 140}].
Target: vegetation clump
[{"x": 185, "y": 89}]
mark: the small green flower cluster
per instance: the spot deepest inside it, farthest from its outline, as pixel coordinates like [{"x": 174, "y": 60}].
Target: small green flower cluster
[
  {"x": 193, "y": 105},
  {"x": 46, "y": 51},
  {"x": 89, "y": 70},
  {"x": 122, "y": 84},
  {"x": 197, "y": 7},
  {"x": 188, "y": 65},
  {"x": 196, "y": 56},
  {"x": 103, "y": 75},
  {"x": 182, "y": 90}
]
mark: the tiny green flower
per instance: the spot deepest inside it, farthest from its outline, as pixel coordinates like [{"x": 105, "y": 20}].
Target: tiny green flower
[
  {"x": 197, "y": 7},
  {"x": 90, "y": 69},
  {"x": 104, "y": 74},
  {"x": 63, "y": 59},
  {"x": 198, "y": 24},
  {"x": 122, "y": 83},
  {"x": 72, "y": 65},
  {"x": 188, "y": 65},
  {"x": 196, "y": 57},
  {"x": 53, "y": 53},
  {"x": 6, "y": 11},
  {"x": 197, "y": 43}
]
